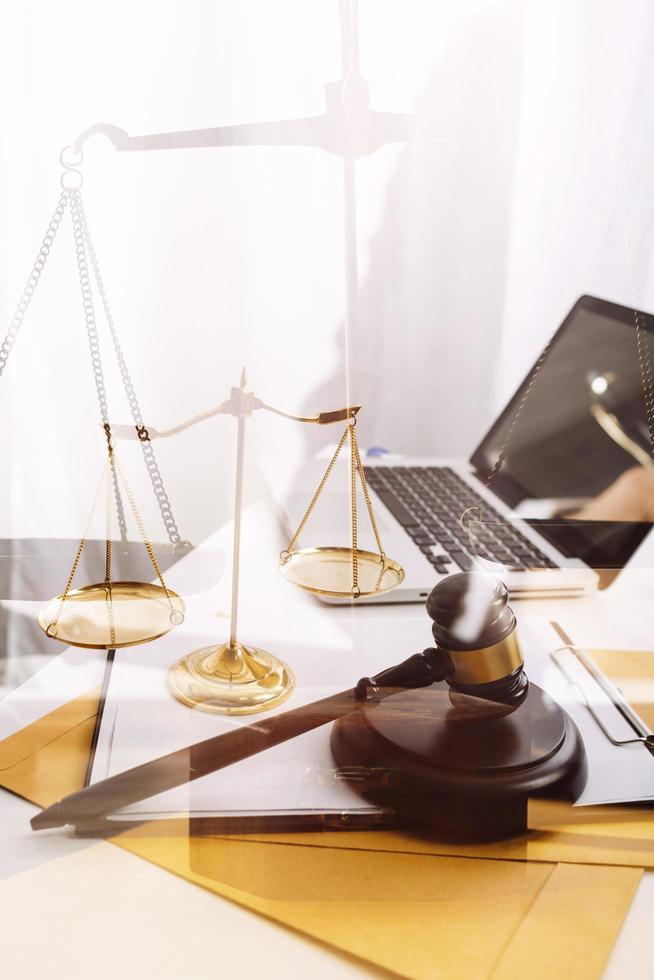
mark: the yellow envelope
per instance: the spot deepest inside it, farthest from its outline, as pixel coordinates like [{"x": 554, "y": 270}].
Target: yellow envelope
[
  {"x": 48, "y": 759},
  {"x": 420, "y": 916},
  {"x": 389, "y": 898}
]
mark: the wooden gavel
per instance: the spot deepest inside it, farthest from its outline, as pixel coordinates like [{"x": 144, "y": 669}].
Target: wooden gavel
[{"x": 477, "y": 654}]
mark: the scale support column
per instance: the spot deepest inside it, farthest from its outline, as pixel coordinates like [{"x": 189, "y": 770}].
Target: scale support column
[{"x": 233, "y": 679}]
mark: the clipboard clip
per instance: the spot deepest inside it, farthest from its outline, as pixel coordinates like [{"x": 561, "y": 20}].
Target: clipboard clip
[{"x": 643, "y": 733}]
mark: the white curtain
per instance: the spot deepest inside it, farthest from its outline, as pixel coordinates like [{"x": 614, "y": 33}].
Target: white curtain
[
  {"x": 582, "y": 205},
  {"x": 471, "y": 246}
]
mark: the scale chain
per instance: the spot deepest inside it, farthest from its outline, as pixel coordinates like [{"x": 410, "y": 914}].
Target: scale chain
[
  {"x": 356, "y": 591},
  {"x": 111, "y": 483},
  {"x": 120, "y": 510},
  {"x": 53, "y": 627},
  {"x": 466, "y": 520},
  {"x": 285, "y": 554},
  {"x": 77, "y": 213},
  {"x": 88, "y": 307},
  {"x": 176, "y": 617},
  {"x": 645, "y": 364},
  {"x": 647, "y": 379},
  {"x": 536, "y": 370},
  {"x": 33, "y": 280},
  {"x": 82, "y": 243},
  {"x": 152, "y": 466},
  {"x": 92, "y": 329},
  {"x": 356, "y": 469},
  {"x": 366, "y": 495}
]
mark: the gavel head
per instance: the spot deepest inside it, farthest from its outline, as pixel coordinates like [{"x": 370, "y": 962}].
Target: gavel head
[{"x": 475, "y": 626}]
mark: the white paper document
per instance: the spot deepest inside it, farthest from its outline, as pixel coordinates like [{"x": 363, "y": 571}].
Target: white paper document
[{"x": 143, "y": 721}]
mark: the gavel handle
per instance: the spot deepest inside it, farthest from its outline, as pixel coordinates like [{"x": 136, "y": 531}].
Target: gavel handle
[
  {"x": 213, "y": 754},
  {"x": 420, "y": 670}
]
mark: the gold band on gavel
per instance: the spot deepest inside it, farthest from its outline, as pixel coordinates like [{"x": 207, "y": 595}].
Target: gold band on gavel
[{"x": 487, "y": 664}]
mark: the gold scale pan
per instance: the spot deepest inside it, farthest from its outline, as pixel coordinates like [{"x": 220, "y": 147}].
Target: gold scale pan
[{"x": 110, "y": 615}]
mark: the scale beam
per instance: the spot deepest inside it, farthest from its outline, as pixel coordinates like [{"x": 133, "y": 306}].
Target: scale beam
[
  {"x": 234, "y": 406},
  {"x": 348, "y": 128}
]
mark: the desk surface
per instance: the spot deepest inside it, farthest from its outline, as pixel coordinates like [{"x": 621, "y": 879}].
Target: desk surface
[{"x": 66, "y": 893}]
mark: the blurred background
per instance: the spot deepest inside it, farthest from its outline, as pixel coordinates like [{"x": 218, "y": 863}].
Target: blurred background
[{"x": 471, "y": 245}]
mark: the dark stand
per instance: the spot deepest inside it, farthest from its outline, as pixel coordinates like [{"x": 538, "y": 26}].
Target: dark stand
[{"x": 459, "y": 764}]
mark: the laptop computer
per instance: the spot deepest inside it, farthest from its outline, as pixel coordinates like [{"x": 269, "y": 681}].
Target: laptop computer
[{"x": 573, "y": 426}]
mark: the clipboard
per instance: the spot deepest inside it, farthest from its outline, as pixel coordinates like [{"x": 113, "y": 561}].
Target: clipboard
[{"x": 600, "y": 666}]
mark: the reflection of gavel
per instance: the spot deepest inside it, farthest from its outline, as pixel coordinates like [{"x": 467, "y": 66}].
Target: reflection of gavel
[{"x": 451, "y": 755}]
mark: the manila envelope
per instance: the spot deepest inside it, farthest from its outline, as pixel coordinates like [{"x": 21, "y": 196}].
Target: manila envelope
[
  {"x": 418, "y": 915},
  {"x": 398, "y": 902}
]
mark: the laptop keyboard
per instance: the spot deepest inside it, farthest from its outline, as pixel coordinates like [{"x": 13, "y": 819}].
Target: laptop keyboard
[{"x": 428, "y": 501}]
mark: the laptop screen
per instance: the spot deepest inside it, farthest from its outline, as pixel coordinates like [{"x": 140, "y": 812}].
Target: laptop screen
[{"x": 581, "y": 427}]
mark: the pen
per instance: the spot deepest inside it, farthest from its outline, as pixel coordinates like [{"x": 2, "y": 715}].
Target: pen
[{"x": 212, "y": 754}]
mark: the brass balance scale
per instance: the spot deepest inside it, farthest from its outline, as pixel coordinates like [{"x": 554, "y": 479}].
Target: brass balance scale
[{"x": 230, "y": 678}]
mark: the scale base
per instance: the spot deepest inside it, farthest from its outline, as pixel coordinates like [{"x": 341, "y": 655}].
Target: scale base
[
  {"x": 231, "y": 679},
  {"x": 466, "y": 772}
]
